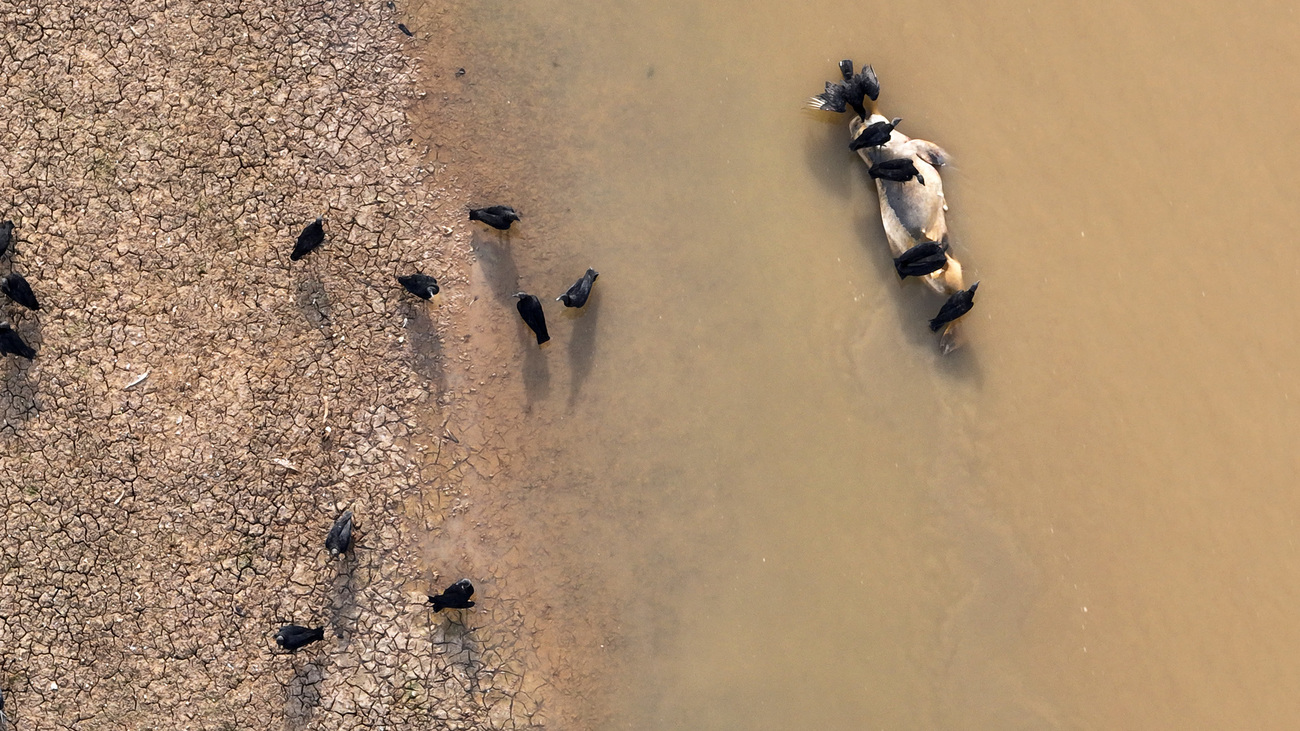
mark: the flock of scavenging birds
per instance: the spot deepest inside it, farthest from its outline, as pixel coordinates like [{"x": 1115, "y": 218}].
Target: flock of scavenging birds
[
  {"x": 15, "y": 286},
  {"x": 459, "y": 595},
  {"x": 293, "y": 637},
  {"x": 912, "y": 214},
  {"x": 912, "y": 203}
]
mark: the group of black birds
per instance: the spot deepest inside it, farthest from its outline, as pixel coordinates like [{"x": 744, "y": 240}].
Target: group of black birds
[
  {"x": 16, "y": 288},
  {"x": 529, "y": 306},
  {"x": 926, "y": 257},
  {"x": 425, "y": 287},
  {"x": 293, "y": 637},
  {"x": 459, "y": 595}
]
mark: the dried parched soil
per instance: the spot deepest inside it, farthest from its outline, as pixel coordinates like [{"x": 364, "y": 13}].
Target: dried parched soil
[{"x": 159, "y": 158}]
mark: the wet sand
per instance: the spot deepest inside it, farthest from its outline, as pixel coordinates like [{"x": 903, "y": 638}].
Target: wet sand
[{"x": 517, "y": 515}]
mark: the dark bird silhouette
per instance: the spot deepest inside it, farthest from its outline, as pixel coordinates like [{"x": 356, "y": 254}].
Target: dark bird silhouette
[
  {"x": 899, "y": 170},
  {"x": 580, "y": 291},
  {"x": 865, "y": 83},
  {"x": 12, "y": 344},
  {"x": 530, "y": 308},
  {"x": 402, "y": 27},
  {"x": 308, "y": 240},
  {"x": 498, "y": 217},
  {"x": 6, "y": 235},
  {"x": 957, "y": 305},
  {"x": 875, "y": 135},
  {"x": 925, "y": 258},
  {"x": 456, "y": 596},
  {"x": 293, "y": 637},
  {"x": 849, "y": 93},
  {"x": 420, "y": 285},
  {"x": 340, "y": 538},
  {"x": 16, "y": 288}
]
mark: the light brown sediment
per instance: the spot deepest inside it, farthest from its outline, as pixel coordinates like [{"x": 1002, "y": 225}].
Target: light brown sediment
[
  {"x": 507, "y": 442},
  {"x": 159, "y": 159}
]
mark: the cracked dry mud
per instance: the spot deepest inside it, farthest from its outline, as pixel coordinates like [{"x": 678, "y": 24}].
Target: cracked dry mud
[{"x": 159, "y": 158}]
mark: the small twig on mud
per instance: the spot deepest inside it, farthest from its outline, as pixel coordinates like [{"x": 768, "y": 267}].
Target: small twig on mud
[
  {"x": 137, "y": 381},
  {"x": 285, "y": 464}
]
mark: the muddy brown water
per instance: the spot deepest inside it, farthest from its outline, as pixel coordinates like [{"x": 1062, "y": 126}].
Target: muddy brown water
[{"x": 776, "y": 504}]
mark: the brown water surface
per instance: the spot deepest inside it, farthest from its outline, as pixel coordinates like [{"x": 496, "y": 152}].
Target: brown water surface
[{"x": 775, "y": 504}]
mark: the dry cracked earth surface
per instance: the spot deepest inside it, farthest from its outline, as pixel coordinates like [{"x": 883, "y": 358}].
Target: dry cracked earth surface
[{"x": 201, "y": 408}]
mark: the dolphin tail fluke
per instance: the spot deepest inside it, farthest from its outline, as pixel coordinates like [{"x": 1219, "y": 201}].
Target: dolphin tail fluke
[{"x": 951, "y": 338}]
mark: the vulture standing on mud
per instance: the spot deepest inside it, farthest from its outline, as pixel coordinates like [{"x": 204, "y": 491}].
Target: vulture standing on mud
[
  {"x": 420, "y": 285},
  {"x": 6, "y": 235},
  {"x": 17, "y": 289},
  {"x": 456, "y": 596},
  {"x": 340, "y": 538},
  {"x": 580, "y": 291},
  {"x": 498, "y": 217},
  {"x": 292, "y": 637},
  {"x": 530, "y": 309},
  {"x": 12, "y": 344},
  {"x": 309, "y": 239}
]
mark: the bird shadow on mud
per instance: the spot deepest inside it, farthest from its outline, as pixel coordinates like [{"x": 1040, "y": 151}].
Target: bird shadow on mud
[
  {"x": 582, "y": 343},
  {"x": 426, "y": 347},
  {"x": 344, "y": 611},
  {"x": 302, "y": 695},
  {"x": 19, "y": 391},
  {"x": 537, "y": 369},
  {"x": 312, "y": 300},
  {"x": 497, "y": 259},
  {"x": 464, "y": 650}
]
